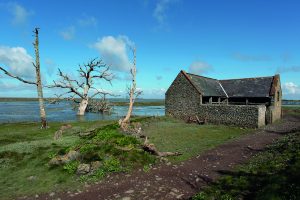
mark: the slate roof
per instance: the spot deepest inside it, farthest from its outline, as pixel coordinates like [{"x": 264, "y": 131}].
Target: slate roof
[
  {"x": 246, "y": 87},
  {"x": 207, "y": 86}
]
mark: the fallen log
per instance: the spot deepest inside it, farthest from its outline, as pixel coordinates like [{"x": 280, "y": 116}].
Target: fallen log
[{"x": 152, "y": 150}]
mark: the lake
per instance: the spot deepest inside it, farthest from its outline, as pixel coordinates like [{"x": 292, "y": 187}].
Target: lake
[{"x": 24, "y": 111}]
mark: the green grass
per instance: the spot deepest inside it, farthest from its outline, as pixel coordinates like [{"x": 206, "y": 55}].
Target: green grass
[
  {"x": 291, "y": 110},
  {"x": 25, "y": 151},
  {"x": 273, "y": 174},
  {"x": 189, "y": 139}
]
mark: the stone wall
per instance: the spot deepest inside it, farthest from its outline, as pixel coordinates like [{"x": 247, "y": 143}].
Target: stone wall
[
  {"x": 252, "y": 116},
  {"x": 238, "y": 115},
  {"x": 275, "y": 109},
  {"x": 182, "y": 99}
]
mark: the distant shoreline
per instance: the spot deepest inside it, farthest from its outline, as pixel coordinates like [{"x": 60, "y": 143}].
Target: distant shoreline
[{"x": 114, "y": 101}]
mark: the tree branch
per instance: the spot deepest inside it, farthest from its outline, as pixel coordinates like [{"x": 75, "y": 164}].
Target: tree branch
[{"x": 18, "y": 78}]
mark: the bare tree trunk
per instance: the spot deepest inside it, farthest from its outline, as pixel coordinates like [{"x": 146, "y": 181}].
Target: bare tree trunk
[
  {"x": 82, "y": 107},
  {"x": 123, "y": 122},
  {"x": 38, "y": 80}
]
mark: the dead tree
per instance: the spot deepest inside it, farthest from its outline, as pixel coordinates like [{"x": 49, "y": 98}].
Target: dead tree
[
  {"x": 38, "y": 81},
  {"x": 79, "y": 89},
  {"x": 133, "y": 94}
]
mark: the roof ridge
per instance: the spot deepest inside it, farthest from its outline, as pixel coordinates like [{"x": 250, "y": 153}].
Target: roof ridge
[
  {"x": 190, "y": 80},
  {"x": 201, "y": 76},
  {"x": 246, "y": 78}
]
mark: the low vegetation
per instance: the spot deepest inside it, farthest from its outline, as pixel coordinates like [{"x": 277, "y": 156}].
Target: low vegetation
[
  {"x": 25, "y": 151},
  {"x": 272, "y": 174},
  {"x": 291, "y": 110}
]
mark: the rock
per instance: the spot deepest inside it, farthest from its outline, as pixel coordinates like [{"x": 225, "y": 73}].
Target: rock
[
  {"x": 179, "y": 196},
  {"x": 126, "y": 198},
  {"x": 36, "y": 196},
  {"x": 73, "y": 155},
  {"x": 129, "y": 191},
  {"x": 83, "y": 169},
  {"x": 83, "y": 134},
  {"x": 174, "y": 190},
  {"x": 31, "y": 178},
  {"x": 52, "y": 194},
  {"x": 59, "y": 160},
  {"x": 95, "y": 165}
]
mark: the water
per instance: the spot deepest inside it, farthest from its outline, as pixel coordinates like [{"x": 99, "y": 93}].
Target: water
[{"x": 24, "y": 111}]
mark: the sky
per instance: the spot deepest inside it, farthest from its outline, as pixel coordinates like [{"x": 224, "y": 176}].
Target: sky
[{"x": 214, "y": 38}]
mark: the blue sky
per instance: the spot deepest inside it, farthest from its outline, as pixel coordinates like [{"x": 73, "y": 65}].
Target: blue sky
[{"x": 219, "y": 39}]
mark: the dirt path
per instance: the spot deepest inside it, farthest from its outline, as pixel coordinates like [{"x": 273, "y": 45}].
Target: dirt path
[{"x": 184, "y": 180}]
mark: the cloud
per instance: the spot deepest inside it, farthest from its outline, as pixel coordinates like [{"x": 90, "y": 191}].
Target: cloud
[
  {"x": 283, "y": 69},
  {"x": 160, "y": 10},
  {"x": 17, "y": 61},
  {"x": 158, "y": 93},
  {"x": 88, "y": 21},
  {"x": 113, "y": 51},
  {"x": 251, "y": 58},
  {"x": 159, "y": 78},
  {"x": 199, "y": 67},
  {"x": 291, "y": 88},
  {"x": 7, "y": 87},
  {"x": 20, "y": 14},
  {"x": 68, "y": 33}
]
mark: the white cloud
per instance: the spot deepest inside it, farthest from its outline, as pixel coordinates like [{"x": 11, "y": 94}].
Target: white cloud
[
  {"x": 17, "y": 61},
  {"x": 155, "y": 93},
  {"x": 113, "y": 51},
  {"x": 16, "y": 87},
  {"x": 160, "y": 10},
  {"x": 88, "y": 21},
  {"x": 20, "y": 14},
  {"x": 68, "y": 33},
  {"x": 291, "y": 88},
  {"x": 199, "y": 67}
]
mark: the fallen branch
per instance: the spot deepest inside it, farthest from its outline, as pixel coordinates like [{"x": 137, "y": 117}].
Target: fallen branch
[
  {"x": 152, "y": 150},
  {"x": 58, "y": 134}
]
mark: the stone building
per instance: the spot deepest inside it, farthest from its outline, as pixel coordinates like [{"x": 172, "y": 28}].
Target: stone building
[{"x": 247, "y": 102}]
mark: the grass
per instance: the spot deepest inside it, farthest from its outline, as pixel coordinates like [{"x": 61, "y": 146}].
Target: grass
[
  {"x": 273, "y": 174},
  {"x": 25, "y": 151},
  {"x": 291, "y": 110},
  {"x": 172, "y": 135}
]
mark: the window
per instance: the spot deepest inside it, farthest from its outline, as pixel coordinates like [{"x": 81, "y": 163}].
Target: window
[{"x": 278, "y": 95}]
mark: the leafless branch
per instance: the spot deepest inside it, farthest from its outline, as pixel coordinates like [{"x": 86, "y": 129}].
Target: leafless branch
[
  {"x": 99, "y": 92},
  {"x": 17, "y": 77}
]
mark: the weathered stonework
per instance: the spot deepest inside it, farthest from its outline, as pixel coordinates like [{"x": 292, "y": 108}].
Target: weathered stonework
[
  {"x": 184, "y": 101},
  {"x": 252, "y": 116},
  {"x": 238, "y": 115}
]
